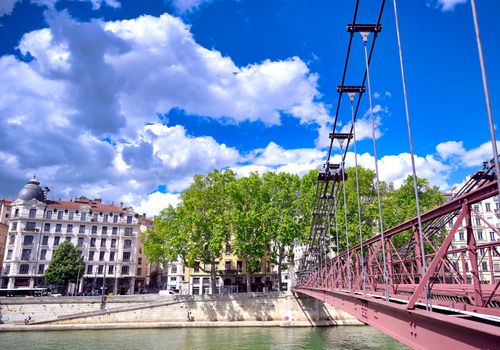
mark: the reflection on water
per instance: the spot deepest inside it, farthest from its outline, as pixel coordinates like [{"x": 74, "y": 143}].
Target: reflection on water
[{"x": 351, "y": 337}]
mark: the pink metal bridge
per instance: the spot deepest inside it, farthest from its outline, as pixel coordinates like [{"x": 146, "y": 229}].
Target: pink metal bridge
[{"x": 408, "y": 281}]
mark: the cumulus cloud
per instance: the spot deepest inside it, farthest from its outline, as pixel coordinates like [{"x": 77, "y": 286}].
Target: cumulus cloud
[
  {"x": 7, "y": 6},
  {"x": 183, "y": 6},
  {"x": 445, "y": 5},
  {"x": 457, "y": 155},
  {"x": 86, "y": 107}
]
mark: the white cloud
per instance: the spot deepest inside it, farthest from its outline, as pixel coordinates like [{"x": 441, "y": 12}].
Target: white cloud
[
  {"x": 457, "y": 155},
  {"x": 445, "y": 5},
  {"x": 183, "y": 6},
  {"x": 157, "y": 201},
  {"x": 6, "y": 6}
]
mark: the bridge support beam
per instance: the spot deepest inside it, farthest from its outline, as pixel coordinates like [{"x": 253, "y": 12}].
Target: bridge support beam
[{"x": 416, "y": 328}]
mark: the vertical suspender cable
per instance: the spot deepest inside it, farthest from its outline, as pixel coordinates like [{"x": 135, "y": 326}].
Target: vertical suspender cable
[
  {"x": 486, "y": 94},
  {"x": 381, "y": 222},
  {"x": 337, "y": 238},
  {"x": 349, "y": 276},
  {"x": 408, "y": 124},
  {"x": 353, "y": 121}
]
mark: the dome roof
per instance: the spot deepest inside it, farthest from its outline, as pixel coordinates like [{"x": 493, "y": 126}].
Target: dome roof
[{"x": 31, "y": 190}]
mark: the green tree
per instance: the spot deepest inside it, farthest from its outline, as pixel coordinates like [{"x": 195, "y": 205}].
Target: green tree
[
  {"x": 65, "y": 266},
  {"x": 281, "y": 217},
  {"x": 248, "y": 201},
  {"x": 400, "y": 205}
]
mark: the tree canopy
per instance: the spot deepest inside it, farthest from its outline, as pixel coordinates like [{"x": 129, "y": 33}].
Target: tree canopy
[{"x": 65, "y": 266}]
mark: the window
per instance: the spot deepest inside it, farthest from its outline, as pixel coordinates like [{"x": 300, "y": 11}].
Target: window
[
  {"x": 80, "y": 242},
  {"x": 173, "y": 278},
  {"x": 48, "y": 214},
  {"x": 128, "y": 231},
  {"x": 497, "y": 206},
  {"x": 16, "y": 213},
  {"x": 46, "y": 227},
  {"x": 103, "y": 242},
  {"x": 110, "y": 270},
  {"x": 41, "y": 268},
  {"x": 30, "y": 226},
  {"x": 91, "y": 255},
  {"x": 24, "y": 269},
  {"x": 196, "y": 280},
  {"x": 58, "y": 227},
  {"x": 487, "y": 206},
  {"x": 14, "y": 226},
  {"x": 126, "y": 256},
  {"x": 173, "y": 269},
  {"x": 26, "y": 254},
  {"x": 56, "y": 240},
  {"x": 81, "y": 229},
  {"x": 89, "y": 269},
  {"x": 480, "y": 235},
  {"x": 71, "y": 215},
  {"x": 101, "y": 256},
  {"x": 112, "y": 256},
  {"x": 105, "y": 218},
  {"x": 32, "y": 214},
  {"x": 113, "y": 243},
  {"x": 227, "y": 265},
  {"x": 6, "y": 271},
  {"x": 12, "y": 239},
  {"x": 196, "y": 267},
  {"x": 60, "y": 215},
  {"x": 45, "y": 240},
  {"x": 139, "y": 261},
  {"x": 484, "y": 265},
  {"x": 461, "y": 235},
  {"x": 94, "y": 230},
  {"x": 125, "y": 270},
  {"x": 100, "y": 269},
  {"x": 9, "y": 254},
  {"x": 115, "y": 219},
  {"x": 94, "y": 217},
  {"x": 268, "y": 267},
  {"x": 69, "y": 228},
  {"x": 115, "y": 230},
  {"x": 478, "y": 221},
  {"x": 476, "y": 207},
  {"x": 228, "y": 249},
  {"x": 127, "y": 243},
  {"x": 92, "y": 242},
  {"x": 43, "y": 254},
  {"x": 139, "y": 271},
  {"x": 492, "y": 236},
  {"x": 83, "y": 216},
  {"x": 129, "y": 219},
  {"x": 239, "y": 266},
  {"x": 105, "y": 230},
  {"x": 28, "y": 240},
  {"x": 68, "y": 239}
]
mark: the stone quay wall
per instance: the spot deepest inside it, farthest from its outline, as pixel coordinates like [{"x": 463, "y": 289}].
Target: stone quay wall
[{"x": 277, "y": 308}]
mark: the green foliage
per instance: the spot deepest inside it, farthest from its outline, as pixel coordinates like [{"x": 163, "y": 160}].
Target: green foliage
[{"x": 65, "y": 265}]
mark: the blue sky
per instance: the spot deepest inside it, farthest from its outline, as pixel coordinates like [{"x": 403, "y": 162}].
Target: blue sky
[{"x": 126, "y": 100}]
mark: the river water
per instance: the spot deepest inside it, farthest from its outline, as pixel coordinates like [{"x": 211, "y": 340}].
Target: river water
[{"x": 350, "y": 337}]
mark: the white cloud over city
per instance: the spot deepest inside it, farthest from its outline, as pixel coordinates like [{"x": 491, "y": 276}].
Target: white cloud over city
[{"x": 81, "y": 111}]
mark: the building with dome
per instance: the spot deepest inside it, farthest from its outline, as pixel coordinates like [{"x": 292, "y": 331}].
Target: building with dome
[{"x": 106, "y": 235}]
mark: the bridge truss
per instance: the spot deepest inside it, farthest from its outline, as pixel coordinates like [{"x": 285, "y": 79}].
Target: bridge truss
[{"x": 408, "y": 281}]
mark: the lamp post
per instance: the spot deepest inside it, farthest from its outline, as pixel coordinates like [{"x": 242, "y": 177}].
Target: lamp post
[{"x": 103, "y": 297}]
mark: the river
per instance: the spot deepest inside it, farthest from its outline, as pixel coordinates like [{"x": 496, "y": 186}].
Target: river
[{"x": 350, "y": 338}]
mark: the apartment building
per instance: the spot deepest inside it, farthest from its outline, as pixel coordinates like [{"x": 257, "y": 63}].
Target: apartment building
[
  {"x": 106, "y": 235},
  {"x": 485, "y": 225}
]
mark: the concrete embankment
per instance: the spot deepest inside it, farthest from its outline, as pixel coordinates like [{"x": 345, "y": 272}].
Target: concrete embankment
[{"x": 155, "y": 311}]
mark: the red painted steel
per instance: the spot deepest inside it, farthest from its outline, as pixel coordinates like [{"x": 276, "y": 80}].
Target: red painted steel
[{"x": 455, "y": 279}]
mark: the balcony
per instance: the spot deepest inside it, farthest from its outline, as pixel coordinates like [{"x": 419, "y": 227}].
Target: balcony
[{"x": 31, "y": 229}]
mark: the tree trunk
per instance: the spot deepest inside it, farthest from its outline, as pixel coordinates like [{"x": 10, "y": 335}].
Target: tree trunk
[
  {"x": 249, "y": 279},
  {"x": 280, "y": 260},
  {"x": 213, "y": 277}
]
